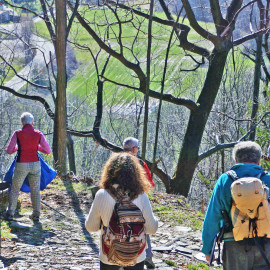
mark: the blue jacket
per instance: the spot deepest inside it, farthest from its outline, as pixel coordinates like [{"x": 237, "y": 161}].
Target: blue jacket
[
  {"x": 47, "y": 175},
  {"x": 221, "y": 200}
]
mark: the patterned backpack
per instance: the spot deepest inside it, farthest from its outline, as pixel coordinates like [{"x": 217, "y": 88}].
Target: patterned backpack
[{"x": 124, "y": 239}]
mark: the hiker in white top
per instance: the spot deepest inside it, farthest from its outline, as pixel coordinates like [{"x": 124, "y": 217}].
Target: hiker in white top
[
  {"x": 131, "y": 145},
  {"x": 122, "y": 173}
]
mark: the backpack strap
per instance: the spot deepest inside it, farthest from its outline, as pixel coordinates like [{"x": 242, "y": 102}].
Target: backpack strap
[
  {"x": 260, "y": 246},
  {"x": 232, "y": 174},
  {"x": 141, "y": 162},
  {"x": 261, "y": 249},
  {"x": 261, "y": 175}
]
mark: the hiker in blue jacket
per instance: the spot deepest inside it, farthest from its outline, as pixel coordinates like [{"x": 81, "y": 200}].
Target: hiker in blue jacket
[{"x": 238, "y": 255}]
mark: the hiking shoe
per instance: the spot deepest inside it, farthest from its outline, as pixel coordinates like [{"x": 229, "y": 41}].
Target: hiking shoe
[
  {"x": 34, "y": 218},
  {"x": 8, "y": 217},
  {"x": 149, "y": 264}
]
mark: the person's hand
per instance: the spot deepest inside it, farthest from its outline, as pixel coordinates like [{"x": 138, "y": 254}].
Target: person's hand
[{"x": 207, "y": 257}]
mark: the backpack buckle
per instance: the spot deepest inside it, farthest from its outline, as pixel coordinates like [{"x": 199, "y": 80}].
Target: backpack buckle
[{"x": 129, "y": 233}]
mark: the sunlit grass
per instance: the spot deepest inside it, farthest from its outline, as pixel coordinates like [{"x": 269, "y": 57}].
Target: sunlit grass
[
  {"x": 84, "y": 81},
  {"x": 5, "y": 230},
  {"x": 178, "y": 82},
  {"x": 179, "y": 215}
]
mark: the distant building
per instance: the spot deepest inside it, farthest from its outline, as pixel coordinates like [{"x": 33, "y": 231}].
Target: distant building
[
  {"x": 8, "y": 14},
  {"x": 21, "y": 1},
  {"x": 4, "y": 16},
  {"x": 14, "y": 17}
]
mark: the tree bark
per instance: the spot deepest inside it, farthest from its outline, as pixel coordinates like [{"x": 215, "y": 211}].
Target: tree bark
[
  {"x": 59, "y": 140},
  {"x": 188, "y": 159},
  {"x": 148, "y": 81},
  {"x": 71, "y": 154},
  {"x": 256, "y": 86}
]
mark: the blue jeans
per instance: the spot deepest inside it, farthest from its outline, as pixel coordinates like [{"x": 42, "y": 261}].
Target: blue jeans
[
  {"x": 138, "y": 266},
  {"x": 149, "y": 254},
  {"x": 33, "y": 171}
]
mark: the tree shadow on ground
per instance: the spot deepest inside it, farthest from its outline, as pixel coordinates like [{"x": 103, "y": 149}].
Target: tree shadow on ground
[
  {"x": 9, "y": 261},
  {"x": 29, "y": 234},
  {"x": 79, "y": 212}
]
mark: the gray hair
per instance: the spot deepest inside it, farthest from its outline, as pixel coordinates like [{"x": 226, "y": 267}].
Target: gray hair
[
  {"x": 129, "y": 143},
  {"x": 27, "y": 118},
  {"x": 249, "y": 152}
]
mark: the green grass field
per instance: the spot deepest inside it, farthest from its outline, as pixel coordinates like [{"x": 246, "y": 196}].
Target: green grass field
[
  {"x": 179, "y": 83},
  {"x": 84, "y": 82}
]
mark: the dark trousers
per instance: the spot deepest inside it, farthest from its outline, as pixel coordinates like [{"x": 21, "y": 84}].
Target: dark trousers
[
  {"x": 138, "y": 266},
  {"x": 239, "y": 256}
]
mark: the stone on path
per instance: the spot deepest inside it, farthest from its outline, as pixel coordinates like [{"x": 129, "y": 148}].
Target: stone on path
[
  {"x": 163, "y": 249},
  {"x": 182, "y": 229},
  {"x": 183, "y": 250},
  {"x": 200, "y": 257}
]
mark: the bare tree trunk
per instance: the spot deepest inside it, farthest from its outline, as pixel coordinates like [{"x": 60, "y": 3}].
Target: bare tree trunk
[
  {"x": 148, "y": 79},
  {"x": 71, "y": 154},
  {"x": 222, "y": 154},
  {"x": 189, "y": 153},
  {"x": 59, "y": 144},
  {"x": 256, "y": 86}
]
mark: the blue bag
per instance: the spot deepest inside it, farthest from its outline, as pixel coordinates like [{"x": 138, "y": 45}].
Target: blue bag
[{"x": 47, "y": 175}]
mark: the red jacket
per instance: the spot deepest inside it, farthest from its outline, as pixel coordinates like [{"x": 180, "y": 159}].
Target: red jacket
[
  {"x": 148, "y": 173},
  {"x": 28, "y": 140}
]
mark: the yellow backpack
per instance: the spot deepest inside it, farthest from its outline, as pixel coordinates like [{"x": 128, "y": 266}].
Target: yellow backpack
[{"x": 250, "y": 210}]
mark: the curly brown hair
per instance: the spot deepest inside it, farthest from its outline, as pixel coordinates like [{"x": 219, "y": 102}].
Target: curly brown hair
[{"x": 123, "y": 172}]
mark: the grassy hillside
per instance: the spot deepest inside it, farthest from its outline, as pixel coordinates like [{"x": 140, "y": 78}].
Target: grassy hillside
[
  {"x": 178, "y": 82},
  {"x": 84, "y": 82}
]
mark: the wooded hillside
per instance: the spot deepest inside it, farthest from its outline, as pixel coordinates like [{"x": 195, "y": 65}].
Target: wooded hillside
[{"x": 188, "y": 79}]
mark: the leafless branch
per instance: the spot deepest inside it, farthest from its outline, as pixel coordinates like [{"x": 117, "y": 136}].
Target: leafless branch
[
  {"x": 47, "y": 21},
  {"x": 197, "y": 62},
  {"x": 229, "y": 145},
  {"x": 248, "y": 56},
  {"x": 233, "y": 20},
  {"x": 217, "y": 16},
  {"x": 35, "y": 98},
  {"x": 165, "y": 97},
  {"x": 107, "y": 48},
  {"x": 22, "y": 8},
  {"x": 183, "y": 29},
  {"x": 250, "y": 36},
  {"x": 72, "y": 16},
  {"x": 26, "y": 80},
  {"x": 232, "y": 118},
  {"x": 195, "y": 25}
]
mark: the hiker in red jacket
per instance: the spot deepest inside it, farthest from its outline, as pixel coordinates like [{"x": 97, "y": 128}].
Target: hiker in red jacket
[
  {"x": 27, "y": 142},
  {"x": 131, "y": 145}
]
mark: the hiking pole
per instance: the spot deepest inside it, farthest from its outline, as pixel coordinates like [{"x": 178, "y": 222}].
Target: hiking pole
[
  {"x": 53, "y": 209},
  {"x": 0, "y": 237},
  {"x": 217, "y": 240},
  {"x": 213, "y": 251}
]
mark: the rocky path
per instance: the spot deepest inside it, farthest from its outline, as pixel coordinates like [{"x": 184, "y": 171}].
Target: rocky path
[{"x": 60, "y": 241}]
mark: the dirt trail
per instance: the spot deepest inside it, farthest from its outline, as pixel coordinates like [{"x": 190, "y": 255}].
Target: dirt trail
[{"x": 62, "y": 242}]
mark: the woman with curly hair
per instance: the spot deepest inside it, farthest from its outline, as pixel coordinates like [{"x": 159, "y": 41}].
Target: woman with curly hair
[{"x": 122, "y": 174}]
